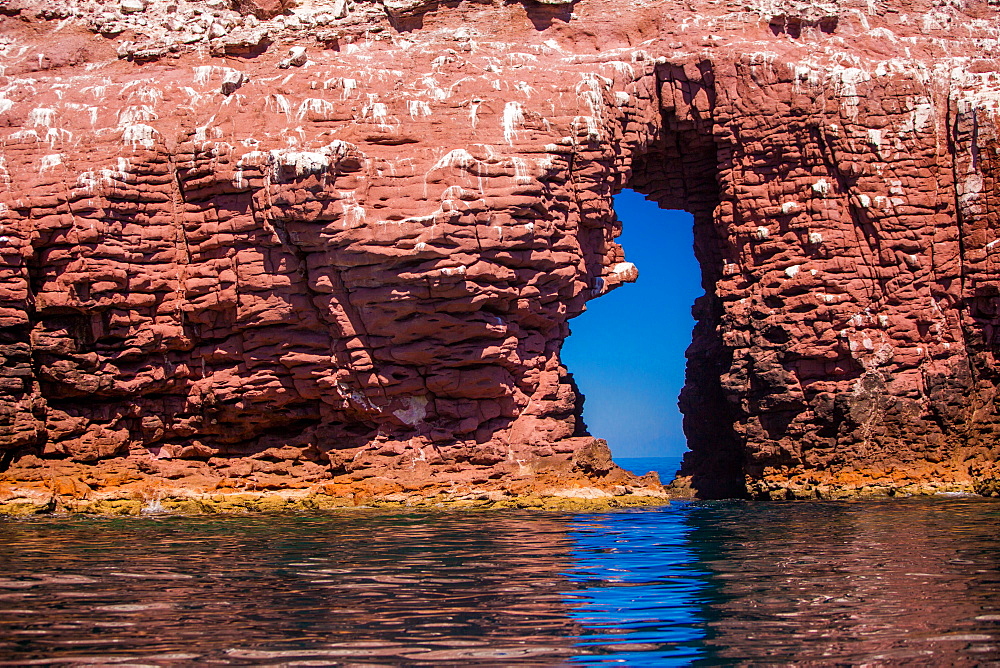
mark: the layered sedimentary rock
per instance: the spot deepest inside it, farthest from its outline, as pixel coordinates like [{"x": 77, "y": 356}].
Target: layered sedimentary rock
[{"x": 337, "y": 246}]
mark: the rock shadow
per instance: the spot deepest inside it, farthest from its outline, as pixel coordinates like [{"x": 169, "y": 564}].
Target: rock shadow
[{"x": 543, "y": 14}]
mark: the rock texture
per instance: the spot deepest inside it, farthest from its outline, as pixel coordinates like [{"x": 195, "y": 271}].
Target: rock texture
[{"x": 335, "y": 245}]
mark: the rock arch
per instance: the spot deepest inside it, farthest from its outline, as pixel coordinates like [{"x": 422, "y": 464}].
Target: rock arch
[{"x": 351, "y": 267}]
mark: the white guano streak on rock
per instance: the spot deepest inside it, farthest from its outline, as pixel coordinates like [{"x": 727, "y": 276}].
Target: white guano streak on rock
[{"x": 513, "y": 117}]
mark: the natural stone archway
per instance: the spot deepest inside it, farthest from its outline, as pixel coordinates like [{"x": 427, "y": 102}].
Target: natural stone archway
[
  {"x": 350, "y": 268},
  {"x": 679, "y": 170}
]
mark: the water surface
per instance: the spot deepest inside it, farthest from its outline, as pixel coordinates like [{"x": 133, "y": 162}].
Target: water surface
[
  {"x": 666, "y": 467},
  {"x": 820, "y": 583}
]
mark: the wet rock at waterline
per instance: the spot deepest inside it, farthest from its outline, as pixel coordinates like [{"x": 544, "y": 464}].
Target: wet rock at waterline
[{"x": 333, "y": 248}]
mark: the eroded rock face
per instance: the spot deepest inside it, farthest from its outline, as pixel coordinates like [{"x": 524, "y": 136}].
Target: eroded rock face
[{"x": 340, "y": 246}]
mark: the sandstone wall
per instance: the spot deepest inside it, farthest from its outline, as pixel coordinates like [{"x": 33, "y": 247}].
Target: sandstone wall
[{"x": 341, "y": 246}]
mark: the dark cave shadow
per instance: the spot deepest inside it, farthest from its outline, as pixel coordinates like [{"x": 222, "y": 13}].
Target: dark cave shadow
[
  {"x": 408, "y": 20},
  {"x": 408, "y": 23},
  {"x": 714, "y": 463},
  {"x": 245, "y": 52},
  {"x": 543, "y": 15}
]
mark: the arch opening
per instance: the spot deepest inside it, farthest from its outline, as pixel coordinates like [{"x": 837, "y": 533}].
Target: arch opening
[
  {"x": 645, "y": 358},
  {"x": 626, "y": 351}
]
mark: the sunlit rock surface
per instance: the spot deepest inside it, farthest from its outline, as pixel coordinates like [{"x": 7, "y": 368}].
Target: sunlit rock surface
[{"x": 334, "y": 246}]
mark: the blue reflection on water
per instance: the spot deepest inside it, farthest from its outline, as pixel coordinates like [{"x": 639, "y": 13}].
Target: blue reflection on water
[{"x": 640, "y": 586}]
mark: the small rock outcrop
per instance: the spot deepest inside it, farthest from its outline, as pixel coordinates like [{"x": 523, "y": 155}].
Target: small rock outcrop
[{"x": 335, "y": 246}]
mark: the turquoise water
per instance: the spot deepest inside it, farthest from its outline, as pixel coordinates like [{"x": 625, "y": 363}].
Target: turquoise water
[{"x": 903, "y": 582}]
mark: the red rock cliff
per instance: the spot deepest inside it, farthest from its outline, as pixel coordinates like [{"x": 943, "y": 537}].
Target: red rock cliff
[{"x": 335, "y": 243}]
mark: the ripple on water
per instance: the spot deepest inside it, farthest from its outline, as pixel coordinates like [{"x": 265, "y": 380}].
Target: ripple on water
[{"x": 713, "y": 583}]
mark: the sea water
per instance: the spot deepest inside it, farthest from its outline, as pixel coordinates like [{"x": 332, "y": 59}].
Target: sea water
[{"x": 895, "y": 582}]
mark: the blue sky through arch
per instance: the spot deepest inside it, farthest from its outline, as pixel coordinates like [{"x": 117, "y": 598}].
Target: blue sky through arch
[{"x": 627, "y": 350}]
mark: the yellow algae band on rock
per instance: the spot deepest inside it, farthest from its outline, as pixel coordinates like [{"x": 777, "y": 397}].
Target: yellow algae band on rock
[
  {"x": 589, "y": 480},
  {"x": 276, "y": 245},
  {"x": 560, "y": 500}
]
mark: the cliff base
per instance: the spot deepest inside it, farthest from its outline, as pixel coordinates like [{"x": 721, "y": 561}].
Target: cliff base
[{"x": 587, "y": 480}]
